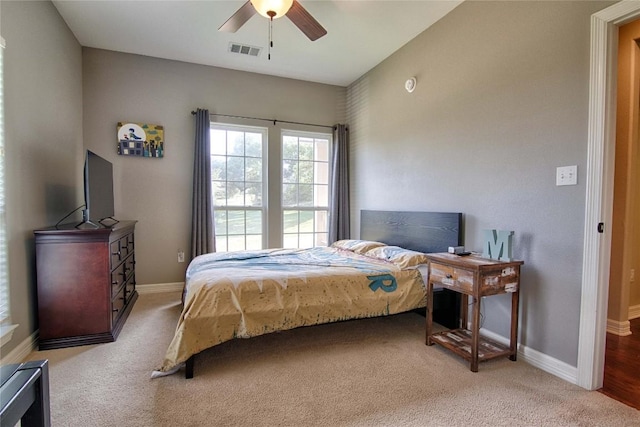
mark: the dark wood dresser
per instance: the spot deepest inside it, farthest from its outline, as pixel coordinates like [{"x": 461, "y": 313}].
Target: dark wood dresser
[{"x": 86, "y": 283}]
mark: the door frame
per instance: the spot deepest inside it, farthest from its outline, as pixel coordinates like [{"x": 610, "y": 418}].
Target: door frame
[{"x": 599, "y": 192}]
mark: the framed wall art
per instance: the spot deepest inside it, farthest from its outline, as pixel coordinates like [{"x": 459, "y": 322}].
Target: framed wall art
[{"x": 140, "y": 139}]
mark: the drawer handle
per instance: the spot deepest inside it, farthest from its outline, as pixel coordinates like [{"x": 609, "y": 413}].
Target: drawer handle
[
  {"x": 114, "y": 282},
  {"x": 116, "y": 253},
  {"x": 449, "y": 276},
  {"x": 115, "y": 310}
]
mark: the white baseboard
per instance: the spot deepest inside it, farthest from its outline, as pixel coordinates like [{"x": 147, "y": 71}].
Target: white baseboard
[
  {"x": 615, "y": 327},
  {"x": 634, "y": 312},
  {"x": 20, "y": 353},
  {"x": 539, "y": 360},
  {"x": 160, "y": 287}
]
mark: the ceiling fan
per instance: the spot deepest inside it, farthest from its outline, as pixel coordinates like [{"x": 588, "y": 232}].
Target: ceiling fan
[{"x": 273, "y": 9}]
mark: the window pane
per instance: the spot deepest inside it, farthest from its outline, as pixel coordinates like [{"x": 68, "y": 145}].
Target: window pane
[
  {"x": 218, "y": 142},
  {"x": 289, "y": 147},
  {"x": 235, "y": 193},
  {"x": 322, "y": 221},
  {"x": 290, "y": 221},
  {"x": 219, "y": 167},
  {"x": 235, "y": 222},
  {"x": 322, "y": 150},
  {"x": 305, "y": 195},
  {"x": 236, "y": 243},
  {"x": 306, "y": 222},
  {"x": 221, "y": 243},
  {"x": 289, "y": 195},
  {"x": 253, "y": 144},
  {"x": 321, "y": 173},
  {"x": 220, "y": 222},
  {"x": 290, "y": 171},
  {"x": 306, "y": 240},
  {"x": 253, "y": 170},
  {"x": 290, "y": 241},
  {"x": 235, "y": 143},
  {"x": 254, "y": 241},
  {"x": 305, "y": 172},
  {"x": 321, "y": 195},
  {"x": 235, "y": 168},
  {"x": 219, "y": 193},
  {"x": 306, "y": 149},
  {"x": 254, "y": 222},
  {"x": 253, "y": 195},
  {"x": 322, "y": 239}
]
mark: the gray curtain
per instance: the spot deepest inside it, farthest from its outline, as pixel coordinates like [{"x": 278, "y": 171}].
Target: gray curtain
[
  {"x": 202, "y": 232},
  {"x": 339, "y": 219}
]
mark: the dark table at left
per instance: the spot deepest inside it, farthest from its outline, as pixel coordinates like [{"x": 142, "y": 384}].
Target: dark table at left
[{"x": 24, "y": 394}]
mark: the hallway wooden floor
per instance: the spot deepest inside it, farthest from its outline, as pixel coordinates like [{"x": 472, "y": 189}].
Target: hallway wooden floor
[{"x": 622, "y": 367}]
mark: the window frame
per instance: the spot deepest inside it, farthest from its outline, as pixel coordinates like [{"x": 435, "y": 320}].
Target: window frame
[
  {"x": 6, "y": 328},
  {"x": 316, "y": 136},
  {"x": 263, "y": 209}
]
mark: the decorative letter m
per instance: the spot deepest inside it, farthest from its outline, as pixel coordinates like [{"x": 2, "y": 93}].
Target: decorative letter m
[{"x": 497, "y": 244}]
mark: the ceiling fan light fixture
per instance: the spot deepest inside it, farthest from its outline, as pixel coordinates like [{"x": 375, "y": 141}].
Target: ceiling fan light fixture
[{"x": 272, "y": 8}]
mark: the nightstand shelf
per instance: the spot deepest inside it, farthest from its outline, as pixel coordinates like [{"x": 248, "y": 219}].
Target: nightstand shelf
[
  {"x": 460, "y": 342},
  {"x": 474, "y": 277}
]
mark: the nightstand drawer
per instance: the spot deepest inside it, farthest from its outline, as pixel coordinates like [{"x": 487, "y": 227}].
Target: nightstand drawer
[
  {"x": 457, "y": 278},
  {"x": 499, "y": 282}
]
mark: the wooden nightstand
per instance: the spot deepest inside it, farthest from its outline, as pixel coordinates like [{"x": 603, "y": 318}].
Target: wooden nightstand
[{"x": 475, "y": 277}]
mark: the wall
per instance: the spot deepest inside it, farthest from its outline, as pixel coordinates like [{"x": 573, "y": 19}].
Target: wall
[
  {"x": 157, "y": 192},
  {"x": 501, "y": 101},
  {"x": 43, "y": 139}
]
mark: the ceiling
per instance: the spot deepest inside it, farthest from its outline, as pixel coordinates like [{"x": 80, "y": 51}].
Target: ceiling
[{"x": 360, "y": 33}]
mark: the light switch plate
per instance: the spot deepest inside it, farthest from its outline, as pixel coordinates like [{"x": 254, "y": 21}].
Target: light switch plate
[{"x": 567, "y": 175}]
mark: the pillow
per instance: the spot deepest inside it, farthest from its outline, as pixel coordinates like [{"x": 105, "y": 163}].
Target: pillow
[
  {"x": 401, "y": 257},
  {"x": 357, "y": 246}
]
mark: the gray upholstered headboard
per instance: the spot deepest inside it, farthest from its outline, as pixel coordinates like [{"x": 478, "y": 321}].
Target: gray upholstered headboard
[{"x": 418, "y": 231}]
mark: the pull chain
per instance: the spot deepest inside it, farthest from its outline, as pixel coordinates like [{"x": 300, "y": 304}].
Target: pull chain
[
  {"x": 270, "y": 37},
  {"x": 271, "y": 15}
]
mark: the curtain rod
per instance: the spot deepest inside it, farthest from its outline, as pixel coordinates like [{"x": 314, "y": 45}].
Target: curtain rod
[{"x": 274, "y": 121}]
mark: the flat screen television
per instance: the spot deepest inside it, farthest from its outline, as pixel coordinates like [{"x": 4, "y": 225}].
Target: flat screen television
[{"x": 98, "y": 190}]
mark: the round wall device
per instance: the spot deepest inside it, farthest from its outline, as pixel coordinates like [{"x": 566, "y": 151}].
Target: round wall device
[{"x": 410, "y": 84}]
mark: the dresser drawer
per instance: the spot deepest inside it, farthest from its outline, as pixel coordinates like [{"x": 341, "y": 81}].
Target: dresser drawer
[
  {"x": 121, "y": 249},
  {"x": 117, "y": 306},
  {"x": 453, "y": 277},
  {"x": 129, "y": 289}
]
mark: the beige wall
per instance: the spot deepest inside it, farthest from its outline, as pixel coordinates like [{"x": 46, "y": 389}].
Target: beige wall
[
  {"x": 501, "y": 101},
  {"x": 43, "y": 138},
  {"x": 157, "y": 192}
]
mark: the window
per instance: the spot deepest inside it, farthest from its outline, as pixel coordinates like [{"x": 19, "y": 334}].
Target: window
[
  {"x": 5, "y": 314},
  {"x": 305, "y": 189},
  {"x": 238, "y": 171}
]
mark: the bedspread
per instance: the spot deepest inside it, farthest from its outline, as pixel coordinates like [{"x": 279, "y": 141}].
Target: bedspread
[{"x": 250, "y": 293}]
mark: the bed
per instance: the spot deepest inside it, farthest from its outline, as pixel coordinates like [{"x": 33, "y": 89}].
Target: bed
[{"x": 249, "y": 293}]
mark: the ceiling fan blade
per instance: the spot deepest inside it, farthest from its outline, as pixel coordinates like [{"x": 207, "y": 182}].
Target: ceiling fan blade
[
  {"x": 239, "y": 18},
  {"x": 305, "y": 22}
]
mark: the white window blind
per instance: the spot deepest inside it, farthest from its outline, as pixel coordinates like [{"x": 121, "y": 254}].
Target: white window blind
[{"x": 4, "y": 276}]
